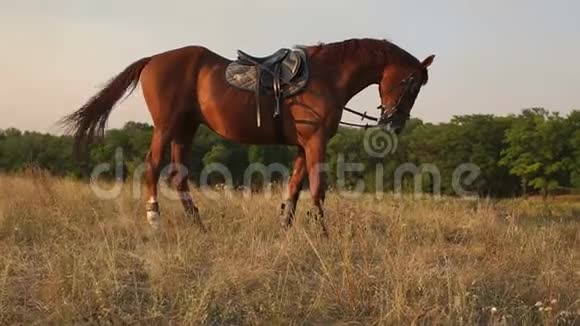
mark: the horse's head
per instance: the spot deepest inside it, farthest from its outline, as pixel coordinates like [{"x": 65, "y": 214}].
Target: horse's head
[{"x": 399, "y": 87}]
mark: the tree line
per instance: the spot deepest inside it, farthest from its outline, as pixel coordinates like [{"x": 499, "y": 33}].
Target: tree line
[{"x": 534, "y": 152}]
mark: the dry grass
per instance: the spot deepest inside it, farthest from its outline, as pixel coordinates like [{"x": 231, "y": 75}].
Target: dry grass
[{"x": 69, "y": 258}]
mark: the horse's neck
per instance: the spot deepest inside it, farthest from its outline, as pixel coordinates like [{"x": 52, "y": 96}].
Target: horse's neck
[{"x": 359, "y": 75}]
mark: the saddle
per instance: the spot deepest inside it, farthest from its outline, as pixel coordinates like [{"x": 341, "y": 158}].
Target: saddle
[{"x": 281, "y": 74}]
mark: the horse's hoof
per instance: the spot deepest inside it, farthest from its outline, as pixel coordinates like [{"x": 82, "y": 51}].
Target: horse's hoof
[
  {"x": 197, "y": 220},
  {"x": 317, "y": 217},
  {"x": 313, "y": 215},
  {"x": 287, "y": 214},
  {"x": 154, "y": 219}
]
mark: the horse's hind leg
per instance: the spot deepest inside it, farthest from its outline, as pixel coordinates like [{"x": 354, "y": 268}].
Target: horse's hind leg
[
  {"x": 153, "y": 161},
  {"x": 180, "y": 153},
  {"x": 172, "y": 173}
]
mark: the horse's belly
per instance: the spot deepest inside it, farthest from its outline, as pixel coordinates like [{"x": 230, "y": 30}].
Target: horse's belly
[{"x": 243, "y": 128}]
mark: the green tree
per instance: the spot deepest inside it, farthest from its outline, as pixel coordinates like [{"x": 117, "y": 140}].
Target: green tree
[
  {"x": 482, "y": 141},
  {"x": 536, "y": 151},
  {"x": 573, "y": 163}
]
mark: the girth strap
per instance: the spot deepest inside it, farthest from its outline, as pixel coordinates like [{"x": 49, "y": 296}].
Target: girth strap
[
  {"x": 277, "y": 90},
  {"x": 258, "y": 107}
]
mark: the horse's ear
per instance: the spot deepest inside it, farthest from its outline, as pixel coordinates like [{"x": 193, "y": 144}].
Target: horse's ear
[{"x": 428, "y": 61}]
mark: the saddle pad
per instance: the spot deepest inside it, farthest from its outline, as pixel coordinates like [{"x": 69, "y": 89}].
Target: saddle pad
[{"x": 294, "y": 76}]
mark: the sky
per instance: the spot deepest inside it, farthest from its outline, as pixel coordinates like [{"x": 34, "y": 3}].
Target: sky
[{"x": 493, "y": 57}]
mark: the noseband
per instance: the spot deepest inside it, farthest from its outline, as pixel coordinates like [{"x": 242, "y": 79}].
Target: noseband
[{"x": 387, "y": 113}]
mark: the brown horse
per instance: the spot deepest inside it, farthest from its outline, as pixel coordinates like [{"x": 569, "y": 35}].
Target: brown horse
[{"x": 186, "y": 87}]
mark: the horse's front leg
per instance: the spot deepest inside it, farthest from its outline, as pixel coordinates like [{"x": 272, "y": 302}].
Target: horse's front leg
[
  {"x": 315, "y": 151},
  {"x": 294, "y": 188}
]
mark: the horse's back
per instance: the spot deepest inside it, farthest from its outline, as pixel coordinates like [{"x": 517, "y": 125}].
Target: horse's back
[
  {"x": 175, "y": 72},
  {"x": 174, "y": 63}
]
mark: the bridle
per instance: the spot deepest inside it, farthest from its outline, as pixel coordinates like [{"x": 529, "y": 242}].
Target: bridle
[{"x": 387, "y": 113}]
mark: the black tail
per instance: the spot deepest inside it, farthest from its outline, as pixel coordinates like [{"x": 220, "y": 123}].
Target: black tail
[{"x": 90, "y": 120}]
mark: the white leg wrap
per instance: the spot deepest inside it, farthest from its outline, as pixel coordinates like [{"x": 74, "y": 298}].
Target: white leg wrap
[
  {"x": 154, "y": 219},
  {"x": 153, "y": 216},
  {"x": 185, "y": 196}
]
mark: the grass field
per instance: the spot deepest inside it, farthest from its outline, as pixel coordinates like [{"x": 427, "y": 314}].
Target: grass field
[{"x": 70, "y": 258}]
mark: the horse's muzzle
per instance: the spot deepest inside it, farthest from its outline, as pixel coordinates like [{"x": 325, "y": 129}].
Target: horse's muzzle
[{"x": 392, "y": 119}]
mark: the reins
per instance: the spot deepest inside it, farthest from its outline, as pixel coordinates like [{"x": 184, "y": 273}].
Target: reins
[
  {"x": 363, "y": 116},
  {"x": 406, "y": 82}
]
